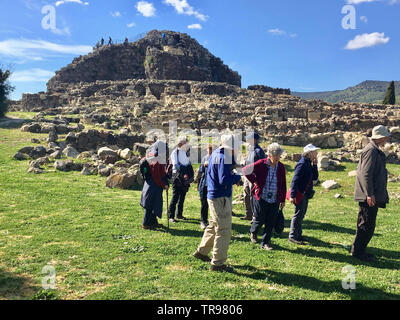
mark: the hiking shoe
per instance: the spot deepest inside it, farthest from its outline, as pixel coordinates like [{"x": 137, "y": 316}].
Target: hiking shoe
[
  {"x": 221, "y": 268},
  {"x": 203, "y": 225},
  {"x": 253, "y": 237},
  {"x": 299, "y": 242},
  {"x": 202, "y": 257},
  {"x": 366, "y": 257},
  {"x": 266, "y": 246},
  {"x": 147, "y": 227}
]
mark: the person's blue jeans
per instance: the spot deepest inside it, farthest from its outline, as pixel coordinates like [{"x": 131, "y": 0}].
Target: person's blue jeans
[
  {"x": 300, "y": 210},
  {"x": 264, "y": 214}
]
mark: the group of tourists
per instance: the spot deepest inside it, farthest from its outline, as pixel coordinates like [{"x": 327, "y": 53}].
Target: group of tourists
[{"x": 264, "y": 187}]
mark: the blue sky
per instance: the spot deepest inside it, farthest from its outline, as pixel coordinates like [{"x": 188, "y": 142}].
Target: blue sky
[{"x": 294, "y": 44}]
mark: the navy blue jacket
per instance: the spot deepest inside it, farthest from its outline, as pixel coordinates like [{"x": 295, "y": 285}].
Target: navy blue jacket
[
  {"x": 304, "y": 174},
  {"x": 203, "y": 178},
  {"x": 255, "y": 155},
  {"x": 219, "y": 176}
]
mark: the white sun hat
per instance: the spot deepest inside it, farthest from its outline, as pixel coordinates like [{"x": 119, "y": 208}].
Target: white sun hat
[
  {"x": 379, "y": 132},
  {"x": 309, "y": 148},
  {"x": 229, "y": 141}
]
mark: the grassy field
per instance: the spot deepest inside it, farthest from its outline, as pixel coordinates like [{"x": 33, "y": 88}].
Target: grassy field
[{"x": 93, "y": 238}]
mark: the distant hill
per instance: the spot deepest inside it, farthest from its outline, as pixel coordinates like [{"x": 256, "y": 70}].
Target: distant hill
[{"x": 367, "y": 91}]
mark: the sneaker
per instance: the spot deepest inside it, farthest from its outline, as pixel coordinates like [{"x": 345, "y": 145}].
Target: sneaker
[
  {"x": 266, "y": 246},
  {"x": 181, "y": 218},
  {"x": 221, "y": 268},
  {"x": 246, "y": 218},
  {"x": 296, "y": 241},
  {"x": 172, "y": 220},
  {"x": 203, "y": 225},
  {"x": 253, "y": 237},
  {"x": 202, "y": 257}
]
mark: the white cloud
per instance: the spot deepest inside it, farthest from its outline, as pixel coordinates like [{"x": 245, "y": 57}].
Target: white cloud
[
  {"x": 366, "y": 1},
  {"x": 359, "y": 1},
  {"x": 367, "y": 40},
  {"x": 61, "y": 32},
  {"x": 59, "y": 3},
  {"x": 195, "y": 26},
  {"x": 277, "y": 32},
  {"x": 146, "y": 8},
  {"x": 131, "y": 25},
  {"x": 364, "y": 19},
  {"x": 31, "y": 75},
  {"x": 37, "y": 49},
  {"x": 183, "y": 7},
  {"x": 115, "y": 14}
]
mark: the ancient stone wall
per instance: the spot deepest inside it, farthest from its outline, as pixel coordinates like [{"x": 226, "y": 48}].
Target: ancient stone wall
[{"x": 162, "y": 55}]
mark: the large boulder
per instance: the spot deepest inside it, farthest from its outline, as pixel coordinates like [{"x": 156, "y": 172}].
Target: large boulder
[
  {"x": 71, "y": 152},
  {"x": 123, "y": 180},
  {"x": 67, "y": 165},
  {"x": 106, "y": 151}
]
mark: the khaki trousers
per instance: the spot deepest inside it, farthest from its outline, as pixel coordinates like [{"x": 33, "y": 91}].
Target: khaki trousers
[{"x": 217, "y": 235}]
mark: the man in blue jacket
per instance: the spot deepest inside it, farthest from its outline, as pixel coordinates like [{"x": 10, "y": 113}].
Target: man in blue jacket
[
  {"x": 306, "y": 171},
  {"x": 220, "y": 179}
]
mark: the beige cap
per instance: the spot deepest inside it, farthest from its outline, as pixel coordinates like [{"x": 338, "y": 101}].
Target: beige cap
[{"x": 380, "y": 132}]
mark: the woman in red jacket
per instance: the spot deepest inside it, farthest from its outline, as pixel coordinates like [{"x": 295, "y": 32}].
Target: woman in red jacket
[{"x": 268, "y": 177}]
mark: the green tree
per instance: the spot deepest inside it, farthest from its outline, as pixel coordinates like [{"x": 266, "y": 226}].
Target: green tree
[
  {"x": 5, "y": 90},
  {"x": 390, "y": 97}
]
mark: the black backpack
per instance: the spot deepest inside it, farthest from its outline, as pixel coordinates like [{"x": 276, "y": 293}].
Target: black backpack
[{"x": 144, "y": 169}]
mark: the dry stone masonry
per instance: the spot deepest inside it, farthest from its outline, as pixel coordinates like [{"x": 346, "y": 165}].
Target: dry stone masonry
[{"x": 168, "y": 76}]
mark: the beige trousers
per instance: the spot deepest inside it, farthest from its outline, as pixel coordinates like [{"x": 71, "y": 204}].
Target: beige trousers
[{"x": 217, "y": 235}]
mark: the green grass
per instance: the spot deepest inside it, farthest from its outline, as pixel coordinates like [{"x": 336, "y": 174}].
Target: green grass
[{"x": 92, "y": 236}]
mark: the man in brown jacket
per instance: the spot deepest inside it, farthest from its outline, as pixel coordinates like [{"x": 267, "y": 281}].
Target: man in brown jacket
[{"x": 370, "y": 191}]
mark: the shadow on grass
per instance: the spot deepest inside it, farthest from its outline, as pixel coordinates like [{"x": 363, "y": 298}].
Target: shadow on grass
[
  {"x": 313, "y": 284},
  {"x": 11, "y": 123},
  {"x": 15, "y": 287},
  {"x": 379, "y": 263},
  {"x": 315, "y": 225}
]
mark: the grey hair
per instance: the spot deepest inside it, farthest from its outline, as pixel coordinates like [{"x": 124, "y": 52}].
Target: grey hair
[
  {"x": 274, "y": 149},
  {"x": 182, "y": 140}
]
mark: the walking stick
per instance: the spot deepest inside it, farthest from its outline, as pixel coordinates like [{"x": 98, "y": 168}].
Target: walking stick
[{"x": 167, "y": 212}]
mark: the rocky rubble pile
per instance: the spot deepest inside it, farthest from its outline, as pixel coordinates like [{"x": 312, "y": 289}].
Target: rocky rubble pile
[{"x": 90, "y": 152}]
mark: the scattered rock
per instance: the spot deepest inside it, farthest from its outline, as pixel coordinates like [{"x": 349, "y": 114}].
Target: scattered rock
[
  {"x": 71, "y": 152},
  {"x": 330, "y": 184},
  {"x": 352, "y": 173}
]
